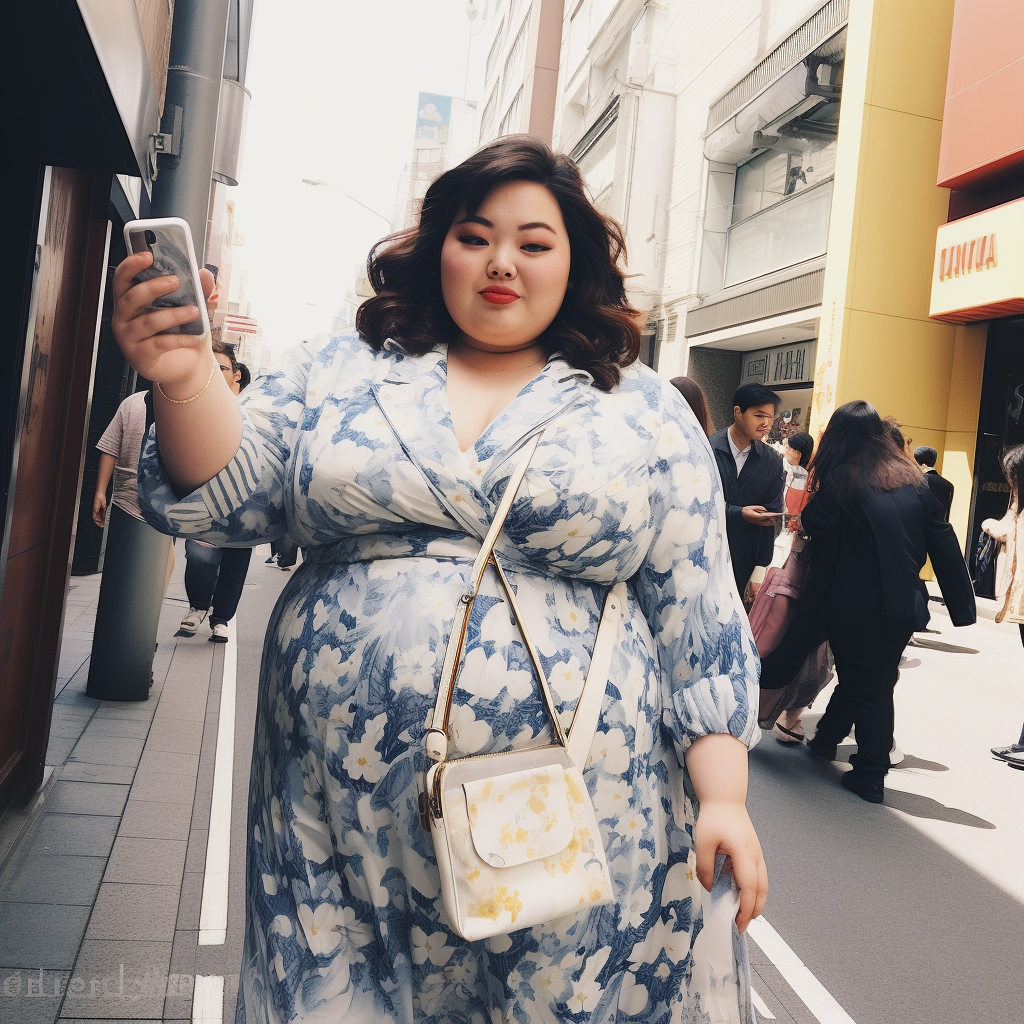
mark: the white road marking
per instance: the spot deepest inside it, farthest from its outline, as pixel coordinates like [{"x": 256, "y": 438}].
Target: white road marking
[
  {"x": 213, "y": 916},
  {"x": 208, "y": 999},
  {"x": 759, "y": 1005},
  {"x": 812, "y": 993}
]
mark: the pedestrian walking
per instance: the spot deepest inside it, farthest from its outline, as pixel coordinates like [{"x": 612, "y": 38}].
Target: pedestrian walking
[
  {"x": 1010, "y": 580},
  {"x": 872, "y": 522},
  {"x": 387, "y": 454},
  {"x": 942, "y": 488},
  {"x": 753, "y": 479},
  {"x": 696, "y": 400},
  {"x": 788, "y": 728},
  {"x": 215, "y": 576}
]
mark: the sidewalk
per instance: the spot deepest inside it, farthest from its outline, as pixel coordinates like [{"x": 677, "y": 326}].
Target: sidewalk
[{"x": 101, "y": 877}]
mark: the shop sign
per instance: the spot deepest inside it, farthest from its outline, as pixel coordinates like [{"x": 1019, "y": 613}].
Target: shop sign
[
  {"x": 978, "y": 272},
  {"x": 787, "y": 364}
]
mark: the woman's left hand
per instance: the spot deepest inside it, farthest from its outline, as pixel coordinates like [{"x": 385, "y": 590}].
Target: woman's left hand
[{"x": 723, "y": 826}]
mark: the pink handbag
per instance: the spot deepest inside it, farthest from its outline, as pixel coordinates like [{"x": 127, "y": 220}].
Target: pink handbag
[{"x": 775, "y": 604}]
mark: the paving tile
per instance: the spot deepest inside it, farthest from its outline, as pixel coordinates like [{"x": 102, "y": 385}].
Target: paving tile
[
  {"x": 169, "y": 761},
  {"x": 47, "y": 935},
  {"x": 116, "y": 750},
  {"x": 86, "y": 798},
  {"x": 59, "y": 748},
  {"x": 133, "y": 728},
  {"x": 152, "y": 861},
  {"x": 178, "y": 1004},
  {"x": 190, "y": 901},
  {"x": 138, "y": 710},
  {"x": 80, "y": 835},
  {"x": 118, "y": 980},
  {"x": 42, "y": 877},
  {"x": 195, "y": 855},
  {"x": 164, "y": 787},
  {"x": 31, "y": 996},
  {"x": 82, "y": 771},
  {"x": 73, "y": 697},
  {"x": 144, "y": 913},
  {"x": 70, "y": 725},
  {"x": 188, "y": 707},
  {"x": 153, "y": 819},
  {"x": 185, "y": 737}
]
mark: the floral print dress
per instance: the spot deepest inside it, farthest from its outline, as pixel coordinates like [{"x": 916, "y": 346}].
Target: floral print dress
[{"x": 352, "y": 453}]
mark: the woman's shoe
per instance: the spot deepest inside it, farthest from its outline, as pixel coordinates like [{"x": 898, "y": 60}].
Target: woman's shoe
[
  {"x": 191, "y": 623},
  {"x": 872, "y": 790},
  {"x": 788, "y": 737},
  {"x": 220, "y": 633}
]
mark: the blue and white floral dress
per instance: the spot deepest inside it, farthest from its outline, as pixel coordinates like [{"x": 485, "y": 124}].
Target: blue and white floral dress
[{"x": 353, "y": 454}]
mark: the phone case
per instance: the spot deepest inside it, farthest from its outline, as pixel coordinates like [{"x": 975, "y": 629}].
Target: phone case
[{"x": 169, "y": 239}]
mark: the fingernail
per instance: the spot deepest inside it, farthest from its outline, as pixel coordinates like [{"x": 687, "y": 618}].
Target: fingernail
[{"x": 174, "y": 278}]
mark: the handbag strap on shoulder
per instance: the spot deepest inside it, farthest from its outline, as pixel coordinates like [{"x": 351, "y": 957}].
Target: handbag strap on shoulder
[{"x": 588, "y": 708}]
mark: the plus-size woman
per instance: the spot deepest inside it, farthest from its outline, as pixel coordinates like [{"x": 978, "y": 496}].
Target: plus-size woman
[{"x": 385, "y": 454}]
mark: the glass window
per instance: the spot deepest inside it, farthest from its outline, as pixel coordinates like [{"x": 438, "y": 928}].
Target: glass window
[
  {"x": 597, "y": 166},
  {"x": 495, "y": 52},
  {"x": 487, "y": 117},
  {"x": 516, "y": 56},
  {"x": 510, "y": 122},
  {"x": 780, "y": 236}
]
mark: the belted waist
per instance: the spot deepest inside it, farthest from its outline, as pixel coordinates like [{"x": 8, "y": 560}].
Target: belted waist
[{"x": 374, "y": 546}]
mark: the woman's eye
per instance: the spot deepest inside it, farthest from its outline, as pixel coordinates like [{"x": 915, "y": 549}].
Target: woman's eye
[
  {"x": 472, "y": 240},
  {"x": 536, "y": 247}
]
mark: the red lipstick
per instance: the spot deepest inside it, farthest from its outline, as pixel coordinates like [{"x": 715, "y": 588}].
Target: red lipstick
[{"x": 498, "y": 295}]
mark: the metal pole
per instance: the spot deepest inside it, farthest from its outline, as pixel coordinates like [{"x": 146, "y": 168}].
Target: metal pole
[{"x": 131, "y": 591}]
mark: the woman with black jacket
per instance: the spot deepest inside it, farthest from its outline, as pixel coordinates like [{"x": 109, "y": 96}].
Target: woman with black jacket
[{"x": 873, "y": 521}]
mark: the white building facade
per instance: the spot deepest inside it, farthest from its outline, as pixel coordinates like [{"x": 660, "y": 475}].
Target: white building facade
[
  {"x": 614, "y": 115},
  {"x": 758, "y": 88}
]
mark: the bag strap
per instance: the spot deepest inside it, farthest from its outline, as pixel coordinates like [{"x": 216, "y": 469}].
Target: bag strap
[
  {"x": 588, "y": 708},
  {"x": 437, "y": 722}
]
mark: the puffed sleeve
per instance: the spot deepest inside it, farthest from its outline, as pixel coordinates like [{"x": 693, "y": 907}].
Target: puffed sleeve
[
  {"x": 709, "y": 664},
  {"x": 244, "y": 504}
]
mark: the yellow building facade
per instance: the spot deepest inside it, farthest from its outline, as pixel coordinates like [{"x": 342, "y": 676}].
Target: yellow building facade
[{"x": 876, "y": 340}]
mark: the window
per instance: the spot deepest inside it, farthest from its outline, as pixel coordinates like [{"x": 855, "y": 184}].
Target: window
[
  {"x": 597, "y": 166},
  {"x": 577, "y": 36},
  {"x": 775, "y": 174},
  {"x": 495, "y": 52},
  {"x": 510, "y": 122},
  {"x": 516, "y": 56},
  {"x": 487, "y": 117}
]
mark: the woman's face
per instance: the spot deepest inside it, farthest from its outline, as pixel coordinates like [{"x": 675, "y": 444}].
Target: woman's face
[
  {"x": 505, "y": 268},
  {"x": 233, "y": 377}
]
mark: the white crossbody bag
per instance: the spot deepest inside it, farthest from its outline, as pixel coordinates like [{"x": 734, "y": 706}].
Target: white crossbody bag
[{"x": 515, "y": 833}]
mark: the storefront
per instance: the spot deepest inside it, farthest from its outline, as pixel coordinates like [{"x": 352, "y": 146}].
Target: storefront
[{"x": 979, "y": 278}]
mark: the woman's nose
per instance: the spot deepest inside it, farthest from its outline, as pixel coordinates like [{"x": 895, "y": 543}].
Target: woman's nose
[{"x": 501, "y": 267}]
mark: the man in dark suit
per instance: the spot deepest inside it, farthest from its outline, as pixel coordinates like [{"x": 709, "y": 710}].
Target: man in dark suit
[
  {"x": 926, "y": 457},
  {"x": 753, "y": 479}
]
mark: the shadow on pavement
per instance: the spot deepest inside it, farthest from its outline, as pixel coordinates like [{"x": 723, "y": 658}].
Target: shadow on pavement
[
  {"x": 909, "y": 761},
  {"x": 925, "y": 807},
  {"x": 938, "y": 645}
]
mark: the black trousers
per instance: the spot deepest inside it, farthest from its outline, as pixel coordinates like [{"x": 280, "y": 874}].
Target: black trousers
[
  {"x": 215, "y": 576},
  {"x": 867, "y": 651}
]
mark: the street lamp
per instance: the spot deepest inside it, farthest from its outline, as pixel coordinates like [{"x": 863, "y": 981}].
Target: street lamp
[{"x": 318, "y": 181}]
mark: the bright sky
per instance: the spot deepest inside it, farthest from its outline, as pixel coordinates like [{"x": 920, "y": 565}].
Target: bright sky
[{"x": 334, "y": 86}]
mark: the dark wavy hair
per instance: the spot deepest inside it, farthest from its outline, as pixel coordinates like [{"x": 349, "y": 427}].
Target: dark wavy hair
[
  {"x": 595, "y": 328},
  {"x": 858, "y": 452},
  {"x": 1012, "y": 464}
]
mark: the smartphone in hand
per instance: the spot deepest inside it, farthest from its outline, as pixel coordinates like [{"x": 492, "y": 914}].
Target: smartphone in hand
[{"x": 169, "y": 239}]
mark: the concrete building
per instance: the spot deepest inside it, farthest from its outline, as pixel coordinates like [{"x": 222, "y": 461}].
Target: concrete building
[
  {"x": 614, "y": 114},
  {"x": 759, "y": 87},
  {"x": 520, "y": 39},
  {"x": 443, "y": 137}
]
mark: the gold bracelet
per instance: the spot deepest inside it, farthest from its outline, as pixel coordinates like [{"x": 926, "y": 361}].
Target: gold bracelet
[{"x": 185, "y": 401}]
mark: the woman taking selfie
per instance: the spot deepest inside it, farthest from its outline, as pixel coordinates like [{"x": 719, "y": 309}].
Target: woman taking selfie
[
  {"x": 872, "y": 522},
  {"x": 386, "y": 454}
]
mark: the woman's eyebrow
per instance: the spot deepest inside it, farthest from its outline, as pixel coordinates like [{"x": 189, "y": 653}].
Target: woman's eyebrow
[{"x": 484, "y": 222}]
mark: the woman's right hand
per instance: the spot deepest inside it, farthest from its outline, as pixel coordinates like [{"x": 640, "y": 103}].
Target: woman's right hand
[{"x": 174, "y": 360}]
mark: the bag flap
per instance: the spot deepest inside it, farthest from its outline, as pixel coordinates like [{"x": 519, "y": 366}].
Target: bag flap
[{"x": 519, "y": 817}]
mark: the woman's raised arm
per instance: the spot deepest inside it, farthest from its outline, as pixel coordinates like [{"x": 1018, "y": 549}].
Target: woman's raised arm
[{"x": 197, "y": 418}]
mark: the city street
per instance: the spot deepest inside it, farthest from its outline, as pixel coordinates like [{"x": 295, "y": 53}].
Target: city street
[{"x": 904, "y": 913}]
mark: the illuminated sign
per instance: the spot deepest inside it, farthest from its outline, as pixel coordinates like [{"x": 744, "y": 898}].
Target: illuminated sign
[{"x": 978, "y": 273}]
